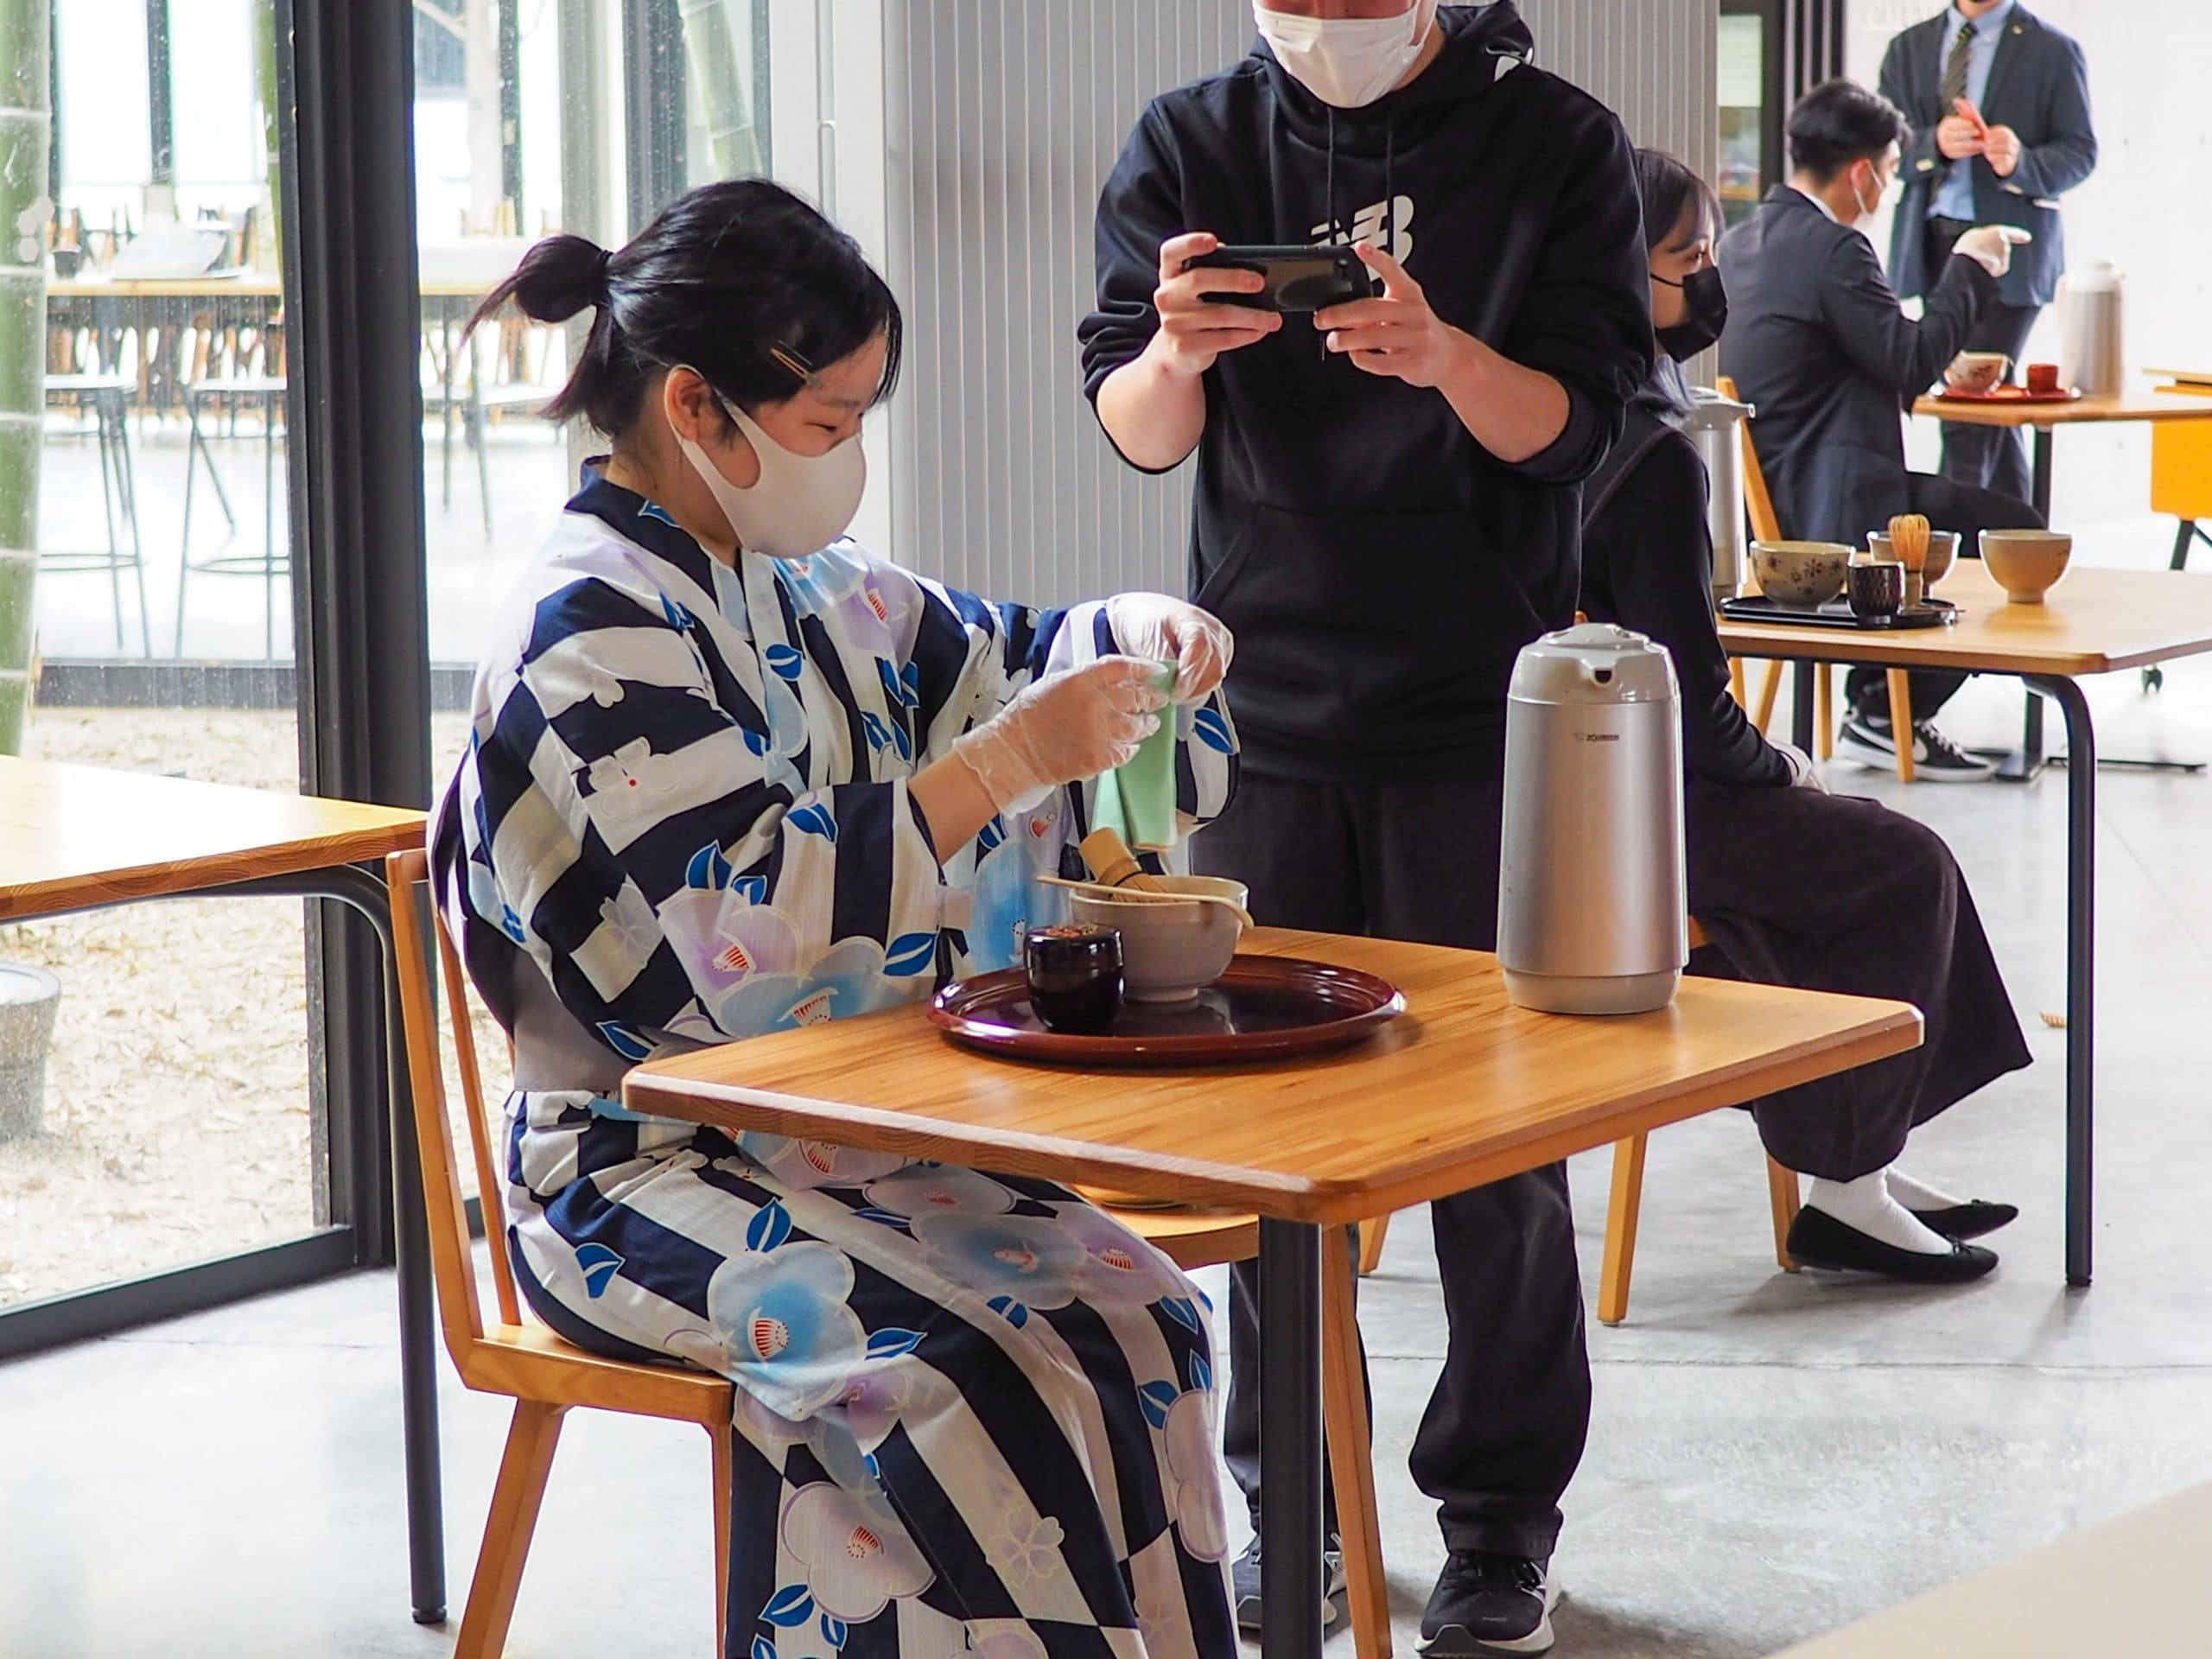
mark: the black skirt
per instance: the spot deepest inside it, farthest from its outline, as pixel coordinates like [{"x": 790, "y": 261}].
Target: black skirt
[{"x": 1830, "y": 893}]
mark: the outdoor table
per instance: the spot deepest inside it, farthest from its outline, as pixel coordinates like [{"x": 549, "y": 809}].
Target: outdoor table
[
  {"x": 2093, "y": 622},
  {"x": 77, "y": 838},
  {"x": 1459, "y": 1091}
]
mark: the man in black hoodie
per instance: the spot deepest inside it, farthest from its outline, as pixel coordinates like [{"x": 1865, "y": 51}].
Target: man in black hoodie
[{"x": 1387, "y": 513}]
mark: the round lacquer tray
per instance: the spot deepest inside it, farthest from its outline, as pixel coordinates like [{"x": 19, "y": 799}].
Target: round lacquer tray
[{"x": 1263, "y": 1008}]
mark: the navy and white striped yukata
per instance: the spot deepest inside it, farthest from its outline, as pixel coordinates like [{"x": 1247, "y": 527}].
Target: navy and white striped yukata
[{"x": 980, "y": 1413}]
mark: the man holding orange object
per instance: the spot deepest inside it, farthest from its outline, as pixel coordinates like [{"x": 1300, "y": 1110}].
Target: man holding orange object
[{"x": 1998, "y": 102}]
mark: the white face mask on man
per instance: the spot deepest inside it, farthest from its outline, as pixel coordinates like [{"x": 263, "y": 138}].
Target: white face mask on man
[
  {"x": 1347, "y": 61},
  {"x": 799, "y": 505}
]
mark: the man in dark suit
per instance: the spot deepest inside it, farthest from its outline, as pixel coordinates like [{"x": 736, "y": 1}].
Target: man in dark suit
[
  {"x": 1818, "y": 343},
  {"x": 1998, "y": 103}
]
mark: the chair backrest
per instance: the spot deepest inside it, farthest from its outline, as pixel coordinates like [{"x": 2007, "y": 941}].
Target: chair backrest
[
  {"x": 452, "y": 1262},
  {"x": 1759, "y": 501}
]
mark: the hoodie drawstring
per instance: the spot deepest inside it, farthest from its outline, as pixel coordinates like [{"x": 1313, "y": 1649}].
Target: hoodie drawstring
[{"x": 1329, "y": 206}]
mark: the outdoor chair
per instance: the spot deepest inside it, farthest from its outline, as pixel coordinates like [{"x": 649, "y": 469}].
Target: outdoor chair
[{"x": 107, "y": 397}]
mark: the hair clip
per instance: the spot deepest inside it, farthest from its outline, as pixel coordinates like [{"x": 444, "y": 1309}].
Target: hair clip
[{"x": 793, "y": 362}]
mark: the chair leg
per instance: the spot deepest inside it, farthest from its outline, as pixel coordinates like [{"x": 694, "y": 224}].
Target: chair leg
[
  {"x": 1768, "y": 691},
  {"x": 2187, "y": 534},
  {"x": 515, "y": 1501},
  {"x": 483, "y": 466},
  {"x": 1371, "y": 1235},
  {"x": 1351, "y": 1458},
  {"x": 1781, "y": 1189},
  {"x": 1901, "y": 722},
  {"x": 1621, "y": 1218},
  {"x": 720, "y": 1437},
  {"x": 1824, "y": 712},
  {"x": 130, "y": 517}
]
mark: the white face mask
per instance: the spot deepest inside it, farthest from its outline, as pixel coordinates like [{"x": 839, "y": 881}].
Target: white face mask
[
  {"x": 800, "y": 504},
  {"x": 1347, "y": 61}
]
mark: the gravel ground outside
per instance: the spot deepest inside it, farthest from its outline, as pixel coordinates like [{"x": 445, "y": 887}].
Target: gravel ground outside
[{"x": 176, "y": 1124}]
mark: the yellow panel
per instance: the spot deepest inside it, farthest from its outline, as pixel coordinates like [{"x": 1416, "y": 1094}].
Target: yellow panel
[{"x": 2181, "y": 470}]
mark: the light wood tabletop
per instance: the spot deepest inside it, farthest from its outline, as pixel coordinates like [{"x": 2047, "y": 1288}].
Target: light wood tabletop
[
  {"x": 1461, "y": 1090},
  {"x": 2171, "y": 403},
  {"x": 2133, "y": 1585},
  {"x": 73, "y": 836},
  {"x": 2093, "y": 622}
]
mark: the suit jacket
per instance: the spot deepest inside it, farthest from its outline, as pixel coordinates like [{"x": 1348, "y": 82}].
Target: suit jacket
[
  {"x": 2038, "y": 86},
  {"x": 1819, "y": 344}
]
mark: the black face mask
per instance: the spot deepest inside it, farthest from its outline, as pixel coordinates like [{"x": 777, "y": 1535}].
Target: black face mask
[{"x": 1708, "y": 304}]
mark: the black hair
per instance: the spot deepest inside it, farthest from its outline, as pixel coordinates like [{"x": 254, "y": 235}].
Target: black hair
[
  {"x": 1670, "y": 190},
  {"x": 739, "y": 280},
  {"x": 1840, "y": 123}
]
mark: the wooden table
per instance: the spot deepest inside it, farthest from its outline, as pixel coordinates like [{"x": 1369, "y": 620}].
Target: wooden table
[
  {"x": 1461, "y": 1091},
  {"x": 2094, "y": 622},
  {"x": 2137, "y": 1585},
  {"x": 2163, "y": 405},
  {"x": 78, "y": 838}
]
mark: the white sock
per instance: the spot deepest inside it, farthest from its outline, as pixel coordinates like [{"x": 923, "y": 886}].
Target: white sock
[
  {"x": 1865, "y": 1204},
  {"x": 1918, "y": 1195}
]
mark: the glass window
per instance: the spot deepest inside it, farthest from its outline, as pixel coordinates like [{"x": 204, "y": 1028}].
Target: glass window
[{"x": 1743, "y": 160}]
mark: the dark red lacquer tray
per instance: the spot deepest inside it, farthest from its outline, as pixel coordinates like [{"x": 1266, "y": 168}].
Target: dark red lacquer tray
[
  {"x": 1263, "y": 1008},
  {"x": 2011, "y": 395}
]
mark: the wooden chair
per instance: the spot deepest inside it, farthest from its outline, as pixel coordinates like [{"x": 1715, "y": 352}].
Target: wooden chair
[
  {"x": 1624, "y": 1211},
  {"x": 1766, "y": 526},
  {"x": 547, "y": 1377}
]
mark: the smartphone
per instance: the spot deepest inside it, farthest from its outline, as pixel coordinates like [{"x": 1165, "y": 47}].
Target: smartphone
[{"x": 1297, "y": 278}]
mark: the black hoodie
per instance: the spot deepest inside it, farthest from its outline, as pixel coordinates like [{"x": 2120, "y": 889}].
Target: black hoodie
[{"x": 1380, "y": 568}]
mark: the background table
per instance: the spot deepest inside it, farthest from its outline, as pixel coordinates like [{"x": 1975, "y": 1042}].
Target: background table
[
  {"x": 74, "y": 838},
  {"x": 1462, "y": 1090},
  {"x": 2094, "y": 622},
  {"x": 2047, "y": 418}
]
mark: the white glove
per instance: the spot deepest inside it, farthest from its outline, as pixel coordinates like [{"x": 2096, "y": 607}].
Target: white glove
[
  {"x": 1164, "y": 630},
  {"x": 1067, "y": 725},
  {"x": 1990, "y": 246},
  {"x": 1802, "y": 774}
]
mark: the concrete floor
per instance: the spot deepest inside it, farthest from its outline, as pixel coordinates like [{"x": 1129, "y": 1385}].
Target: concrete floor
[{"x": 1771, "y": 1456}]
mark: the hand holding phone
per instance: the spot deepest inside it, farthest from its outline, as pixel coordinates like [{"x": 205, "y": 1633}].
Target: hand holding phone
[
  {"x": 1292, "y": 278},
  {"x": 1200, "y": 315}
]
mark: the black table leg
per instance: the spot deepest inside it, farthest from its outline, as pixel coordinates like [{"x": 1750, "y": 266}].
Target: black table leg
[
  {"x": 2080, "y": 969},
  {"x": 1801, "y": 706},
  {"x": 1290, "y": 1440},
  {"x": 418, "y": 1354}
]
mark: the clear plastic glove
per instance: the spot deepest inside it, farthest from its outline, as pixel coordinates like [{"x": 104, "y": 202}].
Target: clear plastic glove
[
  {"x": 1803, "y": 774},
  {"x": 1164, "y": 630},
  {"x": 1990, "y": 246},
  {"x": 1065, "y": 726}
]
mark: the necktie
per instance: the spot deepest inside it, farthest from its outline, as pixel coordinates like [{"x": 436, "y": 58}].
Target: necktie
[{"x": 1954, "y": 72}]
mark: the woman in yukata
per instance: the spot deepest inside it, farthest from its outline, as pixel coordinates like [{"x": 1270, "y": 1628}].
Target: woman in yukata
[
  {"x": 1794, "y": 886},
  {"x": 730, "y": 774}
]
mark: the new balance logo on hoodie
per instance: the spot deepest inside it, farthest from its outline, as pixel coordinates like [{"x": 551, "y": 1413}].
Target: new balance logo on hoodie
[{"x": 1367, "y": 226}]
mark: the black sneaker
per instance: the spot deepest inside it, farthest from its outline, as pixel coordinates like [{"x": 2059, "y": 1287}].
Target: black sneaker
[
  {"x": 1870, "y": 743},
  {"x": 1485, "y": 1603},
  {"x": 1244, "y": 1573}
]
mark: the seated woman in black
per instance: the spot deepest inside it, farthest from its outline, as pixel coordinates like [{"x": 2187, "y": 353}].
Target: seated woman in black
[{"x": 1796, "y": 887}]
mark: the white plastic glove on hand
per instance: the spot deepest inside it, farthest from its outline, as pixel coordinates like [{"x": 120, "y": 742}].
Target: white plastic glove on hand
[
  {"x": 1990, "y": 246},
  {"x": 1803, "y": 774},
  {"x": 1065, "y": 726},
  {"x": 1164, "y": 630}
]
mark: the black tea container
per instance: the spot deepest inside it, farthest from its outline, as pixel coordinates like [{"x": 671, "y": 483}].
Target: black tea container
[{"x": 1075, "y": 977}]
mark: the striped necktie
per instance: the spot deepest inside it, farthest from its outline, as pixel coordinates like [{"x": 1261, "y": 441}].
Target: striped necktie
[{"x": 1954, "y": 72}]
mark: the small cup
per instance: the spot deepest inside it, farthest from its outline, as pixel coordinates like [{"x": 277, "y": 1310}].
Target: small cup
[
  {"x": 2043, "y": 379},
  {"x": 1877, "y": 591},
  {"x": 1075, "y": 977}
]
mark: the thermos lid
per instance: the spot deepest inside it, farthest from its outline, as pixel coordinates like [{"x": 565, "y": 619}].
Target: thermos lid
[{"x": 1594, "y": 662}]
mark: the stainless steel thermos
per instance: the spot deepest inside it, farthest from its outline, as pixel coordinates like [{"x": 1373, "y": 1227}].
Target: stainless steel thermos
[{"x": 1594, "y": 904}]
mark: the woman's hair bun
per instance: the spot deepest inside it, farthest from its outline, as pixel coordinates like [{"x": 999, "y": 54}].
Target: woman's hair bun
[{"x": 558, "y": 278}]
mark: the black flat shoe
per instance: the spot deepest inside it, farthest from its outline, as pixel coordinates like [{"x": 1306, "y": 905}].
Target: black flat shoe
[
  {"x": 1818, "y": 1240},
  {"x": 1968, "y": 1220}
]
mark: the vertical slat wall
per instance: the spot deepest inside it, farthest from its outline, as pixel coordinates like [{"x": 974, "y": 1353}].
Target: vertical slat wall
[
  {"x": 1657, "y": 63},
  {"x": 1004, "y": 118}
]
